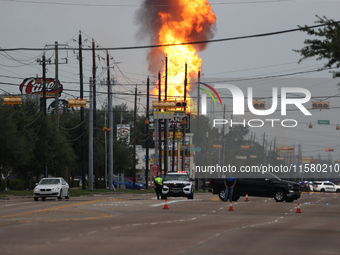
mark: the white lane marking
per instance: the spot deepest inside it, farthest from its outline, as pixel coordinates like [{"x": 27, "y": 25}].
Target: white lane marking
[
  {"x": 115, "y": 227},
  {"x": 137, "y": 224},
  {"x": 92, "y": 232},
  {"x": 9, "y": 205},
  {"x": 65, "y": 239}
]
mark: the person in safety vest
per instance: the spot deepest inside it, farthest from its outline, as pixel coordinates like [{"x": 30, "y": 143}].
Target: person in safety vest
[{"x": 158, "y": 181}]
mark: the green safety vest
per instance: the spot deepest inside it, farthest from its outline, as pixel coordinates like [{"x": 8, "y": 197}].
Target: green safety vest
[{"x": 159, "y": 180}]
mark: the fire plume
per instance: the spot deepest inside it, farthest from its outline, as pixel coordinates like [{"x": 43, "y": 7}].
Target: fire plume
[{"x": 176, "y": 22}]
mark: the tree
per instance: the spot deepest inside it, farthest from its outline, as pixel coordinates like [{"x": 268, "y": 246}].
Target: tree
[{"x": 326, "y": 48}]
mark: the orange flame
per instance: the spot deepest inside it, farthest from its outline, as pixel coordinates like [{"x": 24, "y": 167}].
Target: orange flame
[{"x": 194, "y": 18}]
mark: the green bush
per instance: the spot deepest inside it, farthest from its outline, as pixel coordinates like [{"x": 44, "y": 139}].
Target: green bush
[
  {"x": 14, "y": 184},
  {"x": 3, "y": 184}
]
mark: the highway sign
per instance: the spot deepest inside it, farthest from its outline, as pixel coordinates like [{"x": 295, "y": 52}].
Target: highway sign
[
  {"x": 195, "y": 149},
  {"x": 324, "y": 122}
]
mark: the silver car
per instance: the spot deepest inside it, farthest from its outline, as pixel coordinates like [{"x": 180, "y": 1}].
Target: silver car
[{"x": 51, "y": 187}]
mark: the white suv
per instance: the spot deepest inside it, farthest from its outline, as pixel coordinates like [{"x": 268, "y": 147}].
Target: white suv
[
  {"x": 177, "y": 184},
  {"x": 325, "y": 186}
]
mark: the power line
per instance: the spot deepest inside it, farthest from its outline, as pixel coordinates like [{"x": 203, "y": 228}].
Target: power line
[{"x": 179, "y": 44}]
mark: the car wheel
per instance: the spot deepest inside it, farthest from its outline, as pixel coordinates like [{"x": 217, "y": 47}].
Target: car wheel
[
  {"x": 43, "y": 199},
  {"x": 322, "y": 190},
  {"x": 36, "y": 199},
  {"x": 137, "y": 188},
  {"x": 191, "y": 196},
  {"x": 337, "y": 191},
  {"x": 60, "y": 194},
  {"x": 221, "y": 194},
  {"x": 68, "y": 195},
  {"x": 279, "y": 196}
]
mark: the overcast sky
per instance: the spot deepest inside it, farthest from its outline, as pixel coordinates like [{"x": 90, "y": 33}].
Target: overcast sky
[{"x": 35, "y": 24}]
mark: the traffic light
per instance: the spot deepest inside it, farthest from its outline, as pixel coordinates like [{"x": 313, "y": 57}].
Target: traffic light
[
  {"x": 169, "y": 104},
  {"x": 77, "y": 102},
  {"x": 106, "y": 129},
  {"x": 320, "y": 105},
  {"x": 12, "y": 100},
  {"x": 259, "y": 104},
  {"x": 329, "y": 149},
  {"x": 181, "y": 103}
]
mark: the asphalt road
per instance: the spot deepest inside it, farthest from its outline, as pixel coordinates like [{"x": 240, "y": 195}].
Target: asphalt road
[{"x": 138, "y": 224}]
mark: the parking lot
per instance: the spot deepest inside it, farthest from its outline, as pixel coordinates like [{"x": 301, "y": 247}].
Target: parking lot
[{"x": 139, "y": 224}]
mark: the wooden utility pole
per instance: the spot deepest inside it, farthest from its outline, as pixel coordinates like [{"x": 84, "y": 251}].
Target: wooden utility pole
[
  {"x": 160, "y": 126},
  {"x": 56, "y": 82},
  {"x": 185, "y": 119},
  {"x": 134, "y": 140},
  {"x": 82, "y": 112},
  {"x": 147, "y": 135},
  {"x": 166, "y": 121},
  {"x": 94, "y": 106}
]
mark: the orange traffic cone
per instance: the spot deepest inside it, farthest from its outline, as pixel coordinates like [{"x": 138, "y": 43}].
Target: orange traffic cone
[
  {"x": 246, "y": 200},
  {"x": 166, "y": 204},
  {"x": 298, "y": 210},
  {"x": 231, "y": 207}
]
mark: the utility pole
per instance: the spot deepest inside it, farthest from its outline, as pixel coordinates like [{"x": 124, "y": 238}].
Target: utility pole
[
  {"x": 147, "y": 135},
  {"x": 43, "y": 101},
  {"x": 166, "y": 121},
  {"x": 184, "y": 121},
  {"x": 94, "y": 75},
  {"x": 56, "y": 82},
  {"x": 160, "y": 126},
  {"x": 91, "y": 137},
  {"x": 110, "y": 123},
  {"x": 134, "y": 140},
  {"x": 82, "y": 111},
  {"x": 43, "y": 63}
]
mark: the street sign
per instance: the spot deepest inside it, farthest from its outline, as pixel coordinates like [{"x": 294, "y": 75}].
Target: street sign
[
  {"x": 217, "y": 146},
  {"x": 324, "y": 122},
  {"x": 195, "y": 149}
]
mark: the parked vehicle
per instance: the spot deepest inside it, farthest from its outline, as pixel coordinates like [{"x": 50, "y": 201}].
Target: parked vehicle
[
  {"x": 51, "y": 187},
  {"x": 261, "y": 185},
  {"x": 306, "y": 186},
  {"x": 325, "y": 186},
  {"x": 129, "y": 184}
]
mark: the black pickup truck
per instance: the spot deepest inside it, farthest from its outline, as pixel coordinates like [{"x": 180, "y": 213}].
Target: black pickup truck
[{"x": 258, "y": 184}]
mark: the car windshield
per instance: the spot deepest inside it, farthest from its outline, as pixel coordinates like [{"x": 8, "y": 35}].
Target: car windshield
[
  {"x": 176, "y": 177},
  {"x": 49, "y": 181}
]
